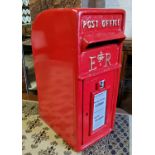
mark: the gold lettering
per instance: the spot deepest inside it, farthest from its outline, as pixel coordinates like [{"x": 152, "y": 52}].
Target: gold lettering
[
  {"x": 92, "y": 63},
  {"x": 107, "y": 60},
  {"x": 84, "y": 23}
]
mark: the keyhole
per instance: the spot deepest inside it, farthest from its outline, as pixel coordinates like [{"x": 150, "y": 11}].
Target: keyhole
[{"x": 86, "y": 113}]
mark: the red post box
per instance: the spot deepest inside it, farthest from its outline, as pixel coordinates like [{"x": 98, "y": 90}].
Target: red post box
[{"x": 77, "y": 60}]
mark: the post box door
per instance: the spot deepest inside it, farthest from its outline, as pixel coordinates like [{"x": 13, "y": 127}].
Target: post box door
[{"x": 98, "y": 105}]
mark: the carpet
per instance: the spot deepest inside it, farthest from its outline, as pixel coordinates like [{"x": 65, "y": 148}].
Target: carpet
[{"x": 39, "y": 139}]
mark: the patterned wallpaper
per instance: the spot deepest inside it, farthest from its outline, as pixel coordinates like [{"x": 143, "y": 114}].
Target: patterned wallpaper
[{"x": 26, "y": 16}]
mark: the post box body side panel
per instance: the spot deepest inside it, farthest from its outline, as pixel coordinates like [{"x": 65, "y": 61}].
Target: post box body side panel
[{"x": 54, "y": 42}]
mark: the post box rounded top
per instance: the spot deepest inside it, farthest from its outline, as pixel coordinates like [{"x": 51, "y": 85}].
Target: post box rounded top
[{"x": 82, "y": 11}]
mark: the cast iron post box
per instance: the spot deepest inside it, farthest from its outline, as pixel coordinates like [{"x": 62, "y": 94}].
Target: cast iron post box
[{"x": 77, "y": 60}]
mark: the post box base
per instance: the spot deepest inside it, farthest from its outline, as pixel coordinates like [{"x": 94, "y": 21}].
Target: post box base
[{"x": 84, "y": 146}]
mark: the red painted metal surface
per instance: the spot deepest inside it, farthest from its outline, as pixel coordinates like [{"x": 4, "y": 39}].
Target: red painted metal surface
[{"x": 74, "y": 50}]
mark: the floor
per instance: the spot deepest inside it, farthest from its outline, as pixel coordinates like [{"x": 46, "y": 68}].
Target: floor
[{"x": 39, "y": 139}]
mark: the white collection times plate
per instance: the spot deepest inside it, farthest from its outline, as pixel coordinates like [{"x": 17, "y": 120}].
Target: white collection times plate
[{"x": 99, "y": 112}]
